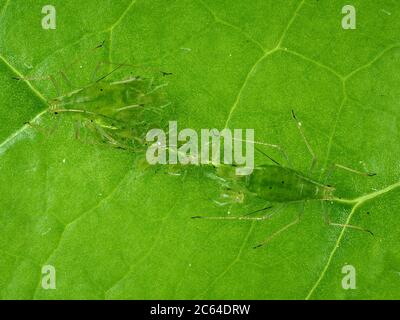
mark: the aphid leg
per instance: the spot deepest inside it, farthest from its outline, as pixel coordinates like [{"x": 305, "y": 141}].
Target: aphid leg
[
  {"x": 66, "y": 80},
  {"x": 329, "y": 223},
  {"x": 106, "y": 137},
  {"x": 310, "y": 150},
  {"x": 336, "y": 166},
  {"x": 36, "y": 127},
  {"x": 56, "y": 123},
  {"x": 294, "y": 222},
  {"x": 297, "y": 220},
  {"x": 155, "y": 88},
  {"x": 351, "y": 227},
  {"x": 46, "y": 132},
  {"x": 242, "y": 217}
]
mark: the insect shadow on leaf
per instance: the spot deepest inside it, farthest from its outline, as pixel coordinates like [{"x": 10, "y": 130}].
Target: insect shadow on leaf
[{"x": 279, "y": 185}]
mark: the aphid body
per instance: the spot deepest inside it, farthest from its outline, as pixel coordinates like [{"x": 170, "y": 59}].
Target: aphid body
[
  {"x": 119, "y": 111},
  {"x": 274, "y": 183},
  {"x": 111, "y": 99},
  {"x": 277, "y": 184}
]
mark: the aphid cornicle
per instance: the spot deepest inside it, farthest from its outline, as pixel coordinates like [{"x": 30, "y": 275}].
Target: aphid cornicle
[{"x": 276, "y": 184}]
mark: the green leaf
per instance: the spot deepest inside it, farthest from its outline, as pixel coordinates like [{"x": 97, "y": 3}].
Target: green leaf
[{"x": 114, "y": 229}]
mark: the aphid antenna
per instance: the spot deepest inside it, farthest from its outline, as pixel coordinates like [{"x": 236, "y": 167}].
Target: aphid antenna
[
  {"x": 313, "y": 181},
  {"x": 259, "y": 210},
  {"x": 263, "y": 243},
  {"x": 124, "y": 64},
  {"x": 109, "y": 73},
  {"x": 270, "y": 158},
  {"x": 299, "y": 126},
  {"x": 275, "y": 146},
  {"x": 118, "y": 66}
]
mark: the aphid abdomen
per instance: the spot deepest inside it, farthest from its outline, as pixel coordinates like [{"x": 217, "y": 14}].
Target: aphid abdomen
[{"x": 280, "y": 184}]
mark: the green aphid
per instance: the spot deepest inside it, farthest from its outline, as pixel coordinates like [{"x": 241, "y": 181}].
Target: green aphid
[
  {"x": 277, "y": 185},
  {"x": 120, "y": 112}
]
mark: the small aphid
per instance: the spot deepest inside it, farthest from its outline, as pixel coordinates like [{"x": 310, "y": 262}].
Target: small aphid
[
  {"x": 118, "y": 112},
  {"x": 277, "y": 184}
]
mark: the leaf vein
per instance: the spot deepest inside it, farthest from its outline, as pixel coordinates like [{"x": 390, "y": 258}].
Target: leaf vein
[
  {"x": 358, "y": 202},
  {"x": 228, "y": 24},
  {"x": 233, "y": 262},
  {"x": 148, "y": 253},
  {"x": 265, "y": 55},
  {"x": 35, "y": 91},
  {"x": 375, "y": 59}
]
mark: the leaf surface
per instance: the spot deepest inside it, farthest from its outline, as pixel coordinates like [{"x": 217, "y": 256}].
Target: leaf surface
[{"x": 113, "y": 230}]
